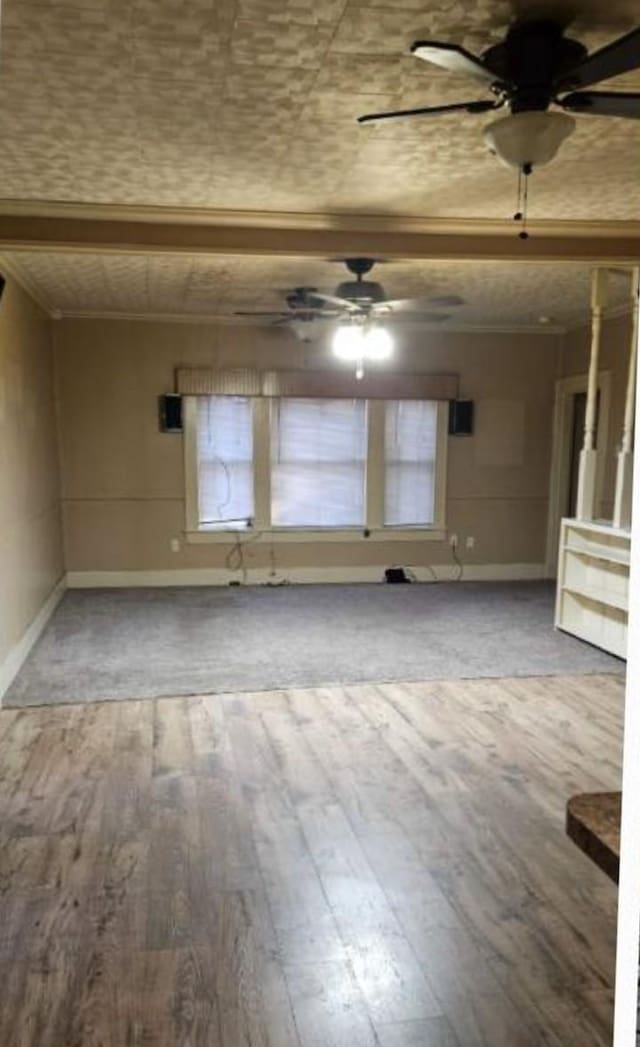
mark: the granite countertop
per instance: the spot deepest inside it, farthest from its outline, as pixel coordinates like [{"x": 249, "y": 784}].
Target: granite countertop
[{"x": 593, "y": 823}]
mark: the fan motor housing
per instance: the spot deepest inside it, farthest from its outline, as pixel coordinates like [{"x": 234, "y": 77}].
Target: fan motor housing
[
  {"x": 361, "y": 291},
  {"x": 532, "y": 57}
]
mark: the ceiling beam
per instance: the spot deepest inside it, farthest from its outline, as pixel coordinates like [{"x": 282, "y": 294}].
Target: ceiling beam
[{"x": 139, "y": 230}]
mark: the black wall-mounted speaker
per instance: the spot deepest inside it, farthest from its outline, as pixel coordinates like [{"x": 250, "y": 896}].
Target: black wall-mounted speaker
[
  {"x": 170, "y": 406},
  {"x": 460, "y": 417},
  {"x": 2, "y": 282}
]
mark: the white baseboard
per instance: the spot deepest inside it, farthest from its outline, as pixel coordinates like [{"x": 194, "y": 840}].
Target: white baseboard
[
  {"x": 298, "y": 575},
  {"x": 11, "y": 665}
]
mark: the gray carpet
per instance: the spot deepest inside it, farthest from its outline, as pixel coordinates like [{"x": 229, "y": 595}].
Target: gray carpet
[{"x": 142, "y": 643}]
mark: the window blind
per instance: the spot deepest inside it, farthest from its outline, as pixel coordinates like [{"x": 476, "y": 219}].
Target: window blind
[
  {"x": 411, "y": 431},
  {"x": 318, "y": 451},
  {"x": 225, "y": 461}
]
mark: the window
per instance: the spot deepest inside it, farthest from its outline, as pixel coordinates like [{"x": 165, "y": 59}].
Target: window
[
  {"x": 410, "y": 444},
  {"x": 318, "y": 460},
  {"x": 225, "y": 461},
  {"x": 304, "y": 469}
]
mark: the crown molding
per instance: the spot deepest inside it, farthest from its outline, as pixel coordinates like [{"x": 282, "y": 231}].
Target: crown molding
[
  {"x": 224, "y": 319},
  {"x": 540, "y": 329},
  {"x": 614, "y": 312},
  {"x": 58, "y": 226}
]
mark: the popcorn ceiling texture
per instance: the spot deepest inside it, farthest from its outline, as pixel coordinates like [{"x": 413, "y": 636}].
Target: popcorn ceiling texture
[
  {"x": 496, "y": 294},
  {"x": 251, "y": 104}
]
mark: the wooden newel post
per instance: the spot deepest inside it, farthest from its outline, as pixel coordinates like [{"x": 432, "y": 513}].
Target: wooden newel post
[
  {"x": 585, "y": 507},
  {"x": 624, "y": 474}
]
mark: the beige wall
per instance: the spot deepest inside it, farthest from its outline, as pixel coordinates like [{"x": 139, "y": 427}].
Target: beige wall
[
  {"x": 31, "y": 559},
  {"x": 123, "y": 481},
  {"x": 614, "y": 357}
]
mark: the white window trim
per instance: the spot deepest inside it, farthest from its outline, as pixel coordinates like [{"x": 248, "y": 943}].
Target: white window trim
[
  {"x": 190, "y": 442},
  {"x": 373, "y": 531}
]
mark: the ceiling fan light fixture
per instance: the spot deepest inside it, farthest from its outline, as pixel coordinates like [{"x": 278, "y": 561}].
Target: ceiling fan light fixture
[
  {"x": 306, "y": 330},
  {"x": 529, "y": 139},
  {"x": 356, "y": 342},
  {"x": 378, "y": 344},
  {"x": 348, "y": 343}
]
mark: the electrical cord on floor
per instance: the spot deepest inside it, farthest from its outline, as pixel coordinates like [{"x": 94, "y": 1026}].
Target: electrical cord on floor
[
  {"x": 273, "y": 581},
  {"x": 234, "y": 560},
  {"x": 427, "y": 567},
  {"x": 458, "y": 562}
]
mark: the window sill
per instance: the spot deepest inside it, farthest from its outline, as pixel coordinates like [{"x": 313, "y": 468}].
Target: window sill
[{"x": 316, "y": 534}]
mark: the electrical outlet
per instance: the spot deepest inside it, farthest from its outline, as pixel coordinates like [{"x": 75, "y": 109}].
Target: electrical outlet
[
  {"x": 470, "y": 542},
  {"x": 174, "y": 545},
  {"x": 453, "y": 541}
]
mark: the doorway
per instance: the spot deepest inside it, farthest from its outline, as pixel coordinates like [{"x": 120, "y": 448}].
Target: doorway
[{"x": 568, "y": 431}]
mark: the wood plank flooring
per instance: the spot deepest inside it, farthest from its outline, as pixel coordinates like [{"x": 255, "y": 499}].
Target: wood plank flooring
[{"x": 342, "y": 867}]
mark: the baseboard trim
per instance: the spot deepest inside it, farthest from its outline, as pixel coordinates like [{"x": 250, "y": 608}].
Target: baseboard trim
[
  {"x": 18, "y": 654},
  {"x": 298, "y": 575}
]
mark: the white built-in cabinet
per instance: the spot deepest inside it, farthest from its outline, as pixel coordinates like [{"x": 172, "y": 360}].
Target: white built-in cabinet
[{"x": 593, "y": 583}]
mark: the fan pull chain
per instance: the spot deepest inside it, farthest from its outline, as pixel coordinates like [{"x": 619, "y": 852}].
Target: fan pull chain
[
  {"x": 525, "y": 205},
  {"x": 523, "y": 200},
  {"x": 518, "y": 215}
]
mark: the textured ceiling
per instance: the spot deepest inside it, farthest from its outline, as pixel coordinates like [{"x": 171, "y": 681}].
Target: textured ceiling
[
  {"x": 496, "y": 294},
  {"x": 251, "y": 104}
]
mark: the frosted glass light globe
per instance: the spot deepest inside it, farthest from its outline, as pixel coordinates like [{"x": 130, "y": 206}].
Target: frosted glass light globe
[
  {"x": 528, "y": 139},
  {"x": 378, "y": 344},
  {"x": 348, "y": 343}
]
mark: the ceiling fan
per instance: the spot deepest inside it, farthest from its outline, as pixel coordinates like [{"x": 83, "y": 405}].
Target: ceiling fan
[
  {"x": 361, "y": 299},
  {"x": 356, "y": 300},
  {"x": 534, "y": 67}
]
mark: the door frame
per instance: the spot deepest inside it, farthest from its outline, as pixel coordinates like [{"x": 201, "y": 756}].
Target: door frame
[{"x": 566, "y": 388}]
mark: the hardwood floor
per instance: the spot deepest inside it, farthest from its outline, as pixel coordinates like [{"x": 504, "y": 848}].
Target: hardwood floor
[{"x": 349, "y": 867}]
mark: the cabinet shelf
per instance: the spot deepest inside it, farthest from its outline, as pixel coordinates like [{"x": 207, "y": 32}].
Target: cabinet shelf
[
  {"x": 602, "y": 552},
  {"x": 617, "y": 600}
]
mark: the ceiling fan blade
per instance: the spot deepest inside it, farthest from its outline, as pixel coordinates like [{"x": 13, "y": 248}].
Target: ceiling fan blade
[
  {"x": 306, "y": 316},
  {"x": 441, "y": 301},
  {"x": 266, "y": 313},
  {"x": 603, "y": 103},
  {"x": 621, "y": 56},
  {"x": 291, "y": 314},
  {"x": 341, "y": 305},
  {"x": 397, "y": 305},
  {"x": 434, "y": 110},
  {"x": 453, "y": 58}
]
